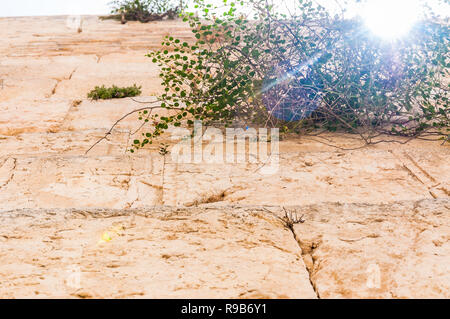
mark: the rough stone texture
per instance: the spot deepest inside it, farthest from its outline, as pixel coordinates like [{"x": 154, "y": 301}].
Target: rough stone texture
[
  {"x": 372, "y": 175},
  {"x": 158, "y": 253},
  {"x": 382, "y": 208},
  {"x": 111, "y": 178},
  {"x": 114, "y": 181},
  {"x": 53, "y": 36},
  {"x": 17, "y": 117},
  {"x": 404, "y": 247}
]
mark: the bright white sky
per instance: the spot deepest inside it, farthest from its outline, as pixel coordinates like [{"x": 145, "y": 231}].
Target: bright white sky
[
  {"x": 9, "y": 8},
  {"x": 75, "y": 7}
]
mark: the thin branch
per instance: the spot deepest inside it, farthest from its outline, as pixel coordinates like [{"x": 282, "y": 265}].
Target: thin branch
[{"x": 120, "y": 120}]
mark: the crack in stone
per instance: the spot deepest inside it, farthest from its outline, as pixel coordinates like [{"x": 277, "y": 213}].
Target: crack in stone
[
  {"x": 307, "y": 252},
  {"x": 309, "y": 261},
  {"x": 431, "y": 178},
  {"x": 53, "y": 92},
  {"x": 58, "y": 81},
  {"x": 421, "y": 175},
  {"x": 309, "y": 264},
  {"x": 71, "y": 74},
  {"x": 11, "y": 171},
  {"x": 211, "y": 197}
]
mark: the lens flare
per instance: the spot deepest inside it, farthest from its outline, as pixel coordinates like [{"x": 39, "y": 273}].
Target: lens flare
[
  {"x": 109, "y": 235},
  {"x": 288, "y": 95},
  {"x": 391, "y": 19}
]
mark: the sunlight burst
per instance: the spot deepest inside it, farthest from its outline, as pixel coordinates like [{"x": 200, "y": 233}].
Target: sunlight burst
[{"x": 391, "y": 19}]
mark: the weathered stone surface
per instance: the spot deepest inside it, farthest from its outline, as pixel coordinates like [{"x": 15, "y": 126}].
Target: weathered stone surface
[
  {"x": 74, "y": 143},
  {"x": 396, "y": 250},
  {"x": 371, "y": 175},
  {"x": 61, "y": 182},
  {"x": 154, "y": 253},
  {"x": 17, "y": 117},
  {"x": 52, "y": 36},
  {"x": 91, "y": 115},
  {"x": 118, "y": 69},
  {"x": 354, "y": 227}
]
